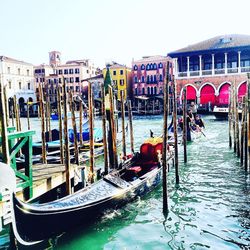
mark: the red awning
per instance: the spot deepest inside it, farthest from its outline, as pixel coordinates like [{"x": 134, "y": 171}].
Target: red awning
[
  {"x": 224, "y": 94},
  {"x": 242, "y": 91},
  {"x": 191, "y": 93},
  {"x": 207, "y": 95}
]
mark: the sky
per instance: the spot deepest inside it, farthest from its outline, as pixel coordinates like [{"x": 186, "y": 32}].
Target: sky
[{"x": 113, "y": 30}]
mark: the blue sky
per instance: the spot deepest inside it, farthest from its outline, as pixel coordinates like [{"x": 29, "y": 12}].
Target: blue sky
[{"x": 119, "y": 30}]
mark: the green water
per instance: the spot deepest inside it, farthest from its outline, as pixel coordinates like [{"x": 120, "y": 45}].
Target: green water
[{"x": 209, "y": 210}]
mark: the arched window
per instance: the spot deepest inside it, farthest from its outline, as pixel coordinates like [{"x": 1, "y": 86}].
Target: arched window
[
  {"x": 155, "y": 92},
  {"x": 161, "y": 78},
  {"x": 155, "y": 66},
  {"x": 148, "y": 90},
  {"x": 152, "y": 90},
  {"x": 151, "y": 78},
  {"x": 151, "y": 66},
  {"x": 142, "y": 79},
  {"x": 147, "y": 67},
  {"x": 135, "y": 67},
  {"x": 155, "y": 79},
  {"x": 135, "y": 79},
  {"x": 148, "y": 80},
  {"x": 160, "y": 65},
  {"x": 135, "y": 91},
  {"x": 160, "y": 90},
  {"x": 143, "y": 91},
  {"x": 142, "y": 67}
]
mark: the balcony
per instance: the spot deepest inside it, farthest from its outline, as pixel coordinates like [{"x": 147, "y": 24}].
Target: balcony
[{"x": 211, "y": 72}]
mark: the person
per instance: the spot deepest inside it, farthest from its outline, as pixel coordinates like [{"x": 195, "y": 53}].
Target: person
[
  {"x": 193, "y": 108},
  {"x": 189, "y": 123},
  {"x": 199, "y": 121}
]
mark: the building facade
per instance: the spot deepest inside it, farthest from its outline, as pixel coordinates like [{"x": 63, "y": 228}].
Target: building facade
[
  {"x": 148, "y": 76},
  {"x": 72, "y": 71},
  {"x": 207, "y": 69},
  {"x": 18, "y": 77},
  {"x": 121, "y": 76}
]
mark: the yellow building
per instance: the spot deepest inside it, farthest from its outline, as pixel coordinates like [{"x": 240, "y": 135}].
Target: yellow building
[{"x": 121, "y": 76}]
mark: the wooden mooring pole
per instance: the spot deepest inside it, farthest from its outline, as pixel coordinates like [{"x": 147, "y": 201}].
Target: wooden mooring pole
[
  {"x": 230, "y": 117},
  {"x": 184, "y": 131},
  {"x": 234, "y": 119},
  {"x": 3, "y": 128},
  {"x": 242, "y": 131},
  {"x": 80, "y": 122},
  {"x": 73, "y": 119},
  {"x": 6, "y": 105},
  {"x": 66, "y": 139},
  {"x": 245, "y": 135},
  {"x": 237, "y": 122},
  {"x": 113, "y": 128},
  {"x": 28, "y": 114},
  {"x": 59, "y": 112},
  {"x": 123, "y": 123},
  {"x": 130, "y": 118},
  {"x": 165, "y": 142},
  {"x": 91, "y": 134},
  {"x": 42, "y": 112},
  {"x": 248, "y": 121},
  {"x": 176, "y": 160},
  {"x": 104, "y": 132}
]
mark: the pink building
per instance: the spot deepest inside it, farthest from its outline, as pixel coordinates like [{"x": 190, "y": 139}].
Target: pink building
[{"x": 148, "y": 75}]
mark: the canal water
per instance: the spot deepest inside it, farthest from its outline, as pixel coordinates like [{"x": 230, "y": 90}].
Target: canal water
[{"x": 210, "y": 209}]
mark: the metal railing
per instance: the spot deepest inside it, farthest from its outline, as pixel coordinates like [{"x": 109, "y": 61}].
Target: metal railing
[
  {"x": 194, "y": 73},
  {"x": 232, "y": 70},
  {"x": 206, "y": 72},
  {"x": 219, "y": 71}
]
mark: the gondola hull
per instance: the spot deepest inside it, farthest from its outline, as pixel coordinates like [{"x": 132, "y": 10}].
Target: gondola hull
[{"x": 38, "y": 222}]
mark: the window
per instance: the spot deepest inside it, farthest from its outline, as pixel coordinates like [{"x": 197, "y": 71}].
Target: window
[
  {"x": 28, "y": 85},
  {"x": 151, "y": 66},
  {"x": 161, "y": 78},
  {"x": 142, "y": 79},
  {"x": 151, "y": 79},
  {"x": 9, "y": 84},
  {"x": 143, "y": 91},
  {"x": 72, "y": 88},
  {"x": 20, "y": 85},
  {"x": 135, "y": 67},
  {"x": 8, "y": 70},
  {"x": 148, "y": 67},
  {"x": 65, "y": 71},
  {"x": 87, "y": 71},
  {"x": 71, "y": 79},
  {"x": 142, "y": 67},
  {"x": 135, "y": 79},
  {"x": 28, "y": 72},
  {"x": 55, "y": 80},
  {"x": 43, "y": 70},
  {"x": 121, "y": 72},
  {"x": 136, "y": 92},
  {"x": 67, "y": 89},
  {"x": 121, "y": 82},
  {"x": 71, "y": 71},
  {"x": 155, "y": 79},
  {"x": 77, "y": 88},
  {"x": 114, "y": 73},
  {"x": 60, "y": 71},
  {"x": 115, "y": 83},
  {"x": 37, "y": 79},
  {"x": 19, "y": 71},
  {"x": 148, "y": 79},
  {"x": 77, "y": 71},
  {"x": 160, "y": 65},
  {"x": 60, "y": 80},
  {"x": 155, "y": 92},
  {"x": 155, "y": 66},
  {"x": 148, "y": 90},
  {"x": 77, "y": 79}
]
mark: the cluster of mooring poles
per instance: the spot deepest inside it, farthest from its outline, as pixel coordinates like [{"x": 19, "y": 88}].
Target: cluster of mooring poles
[{"x": 239, "y": 124}]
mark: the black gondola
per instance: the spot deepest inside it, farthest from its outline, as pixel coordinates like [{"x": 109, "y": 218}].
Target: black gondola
[{"x": 139, "y": 175}]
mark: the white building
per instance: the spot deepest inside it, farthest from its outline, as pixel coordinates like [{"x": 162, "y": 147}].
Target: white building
[
  {"x": 73, "y": 71},
  {"x": 19, "y": 79}
]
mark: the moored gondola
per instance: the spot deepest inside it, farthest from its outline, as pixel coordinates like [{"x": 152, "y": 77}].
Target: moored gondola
[{"x": 137, "y": 175}]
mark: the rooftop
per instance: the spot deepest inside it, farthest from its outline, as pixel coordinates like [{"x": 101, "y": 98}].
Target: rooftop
[
  {"x": 146, "y": 59},
  {"x": 8, "y": 59},
  {"x": 218, "y": 42}
]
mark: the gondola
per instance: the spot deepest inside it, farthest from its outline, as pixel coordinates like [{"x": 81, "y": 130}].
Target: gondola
[{"x": 137, "y": 176}]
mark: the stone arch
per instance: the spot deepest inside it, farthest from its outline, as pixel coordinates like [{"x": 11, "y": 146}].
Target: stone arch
[
  {"x": 241, "y": 90},
  {"x": 207, "y": 93},
  {"x": 192, "y": 95},
  {"x": 223, "y": 96}
]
